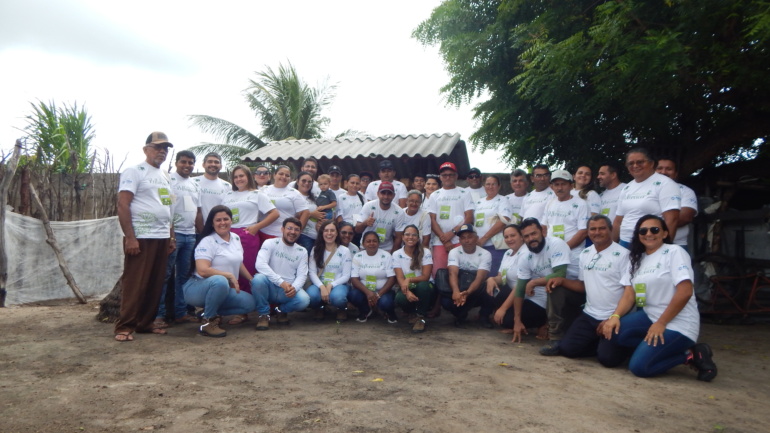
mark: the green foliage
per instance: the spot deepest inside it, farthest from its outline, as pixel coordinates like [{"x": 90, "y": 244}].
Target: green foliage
[
  {"x": 286, "y": 106},
  {"x": 59, "y": 139},
  {"x": 581, "y": 80}
]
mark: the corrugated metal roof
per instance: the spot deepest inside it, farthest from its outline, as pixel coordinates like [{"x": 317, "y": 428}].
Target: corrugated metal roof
[{"x": 410, "y": 154}]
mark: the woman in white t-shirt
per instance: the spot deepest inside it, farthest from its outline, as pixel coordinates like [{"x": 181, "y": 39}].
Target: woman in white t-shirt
[
  {"x": 309, "y": 230},
  {"x": 413, "y": 265},
  {"x": 584, "y": 189},
  {"x": 416, "y": 214},
  {"x": 498, "y": 296},
  {"x": 288, "y": 201},
  {"x": 262, "y": 176},
  {"x": 372, "y": 279},
  {"x": 247, "y": 204},
  {"x": 491, "y": 215},
  {"x": 214, "y": 285},
  {"x": 329, "y": 271},
  {"x": 664, "y": 328},
  {"x": 347, "y": 235}
]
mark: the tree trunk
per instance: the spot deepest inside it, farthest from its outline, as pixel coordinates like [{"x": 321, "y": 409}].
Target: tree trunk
[
  {"x": 109, "y": 307},
  {"x": 10, "y": 170},
  {"x": 24, "y": 183}
]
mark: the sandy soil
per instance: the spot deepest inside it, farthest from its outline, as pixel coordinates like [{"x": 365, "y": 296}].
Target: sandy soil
[{"x": 61, "y": 371}]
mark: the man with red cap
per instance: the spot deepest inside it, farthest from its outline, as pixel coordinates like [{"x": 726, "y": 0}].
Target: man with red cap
[
  {"x": 449, "y": 207},
  {"x": 384, "y": 218},
  {"x": 144, "y": 214}
]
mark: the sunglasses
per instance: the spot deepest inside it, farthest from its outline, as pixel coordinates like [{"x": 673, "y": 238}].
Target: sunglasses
[
  {"x": 261, "y": 173},
  {"x": 653, "y": 230},
  {"x": 474, "y": 176},
  {"x": 593, "y": 261}
]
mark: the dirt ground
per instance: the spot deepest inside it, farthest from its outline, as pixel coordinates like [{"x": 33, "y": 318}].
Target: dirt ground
[{"x": 61, "y": 371}]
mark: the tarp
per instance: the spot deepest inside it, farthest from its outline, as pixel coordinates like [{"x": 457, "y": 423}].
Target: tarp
[{"x": 93, "y": 250}]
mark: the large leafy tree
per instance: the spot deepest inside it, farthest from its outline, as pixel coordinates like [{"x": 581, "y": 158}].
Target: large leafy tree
[
  {"x": 581, "y": 80},
  {"x": 286, "y": 106}
]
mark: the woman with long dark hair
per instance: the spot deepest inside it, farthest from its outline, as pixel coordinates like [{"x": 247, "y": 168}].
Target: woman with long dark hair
[
  {"x": 309, "y": 232},
  {"x": 413, "y": 265},
  {"x": 218, "y": 262},
  {"x": 584, "y": 188},
  {"x": 664, "y": 328},
  {"x": 329, "y": 271}
]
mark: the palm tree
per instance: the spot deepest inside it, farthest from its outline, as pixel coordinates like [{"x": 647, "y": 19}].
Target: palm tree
[
  {"x": 286, "y": 106},
  {"x": 59, "y": 139}
]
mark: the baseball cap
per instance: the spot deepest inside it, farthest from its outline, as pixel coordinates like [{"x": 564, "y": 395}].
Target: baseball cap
[
  {"x": 335, "y": 169},
  {"x": 386, "y": 165},
  {"x": 465, "y": 228},
  {"x": 158, "y": 138},
  {"x": 561, "y": 174},
  {"x": 475, "y": 170},
  {"x": 386, "y": 186},
  {"x": 447, "y": 165}
]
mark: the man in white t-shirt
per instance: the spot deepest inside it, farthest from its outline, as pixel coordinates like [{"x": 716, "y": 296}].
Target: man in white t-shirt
[
  {"x": 144, "y": 214},
  {"x": 212, "y": 188},
  {"x": 282, "y": 266},
  {"x": 469, "y": 257},
  {"x": 520, "y": 187},
  {"x": 449, "y": 208},
  {"x": 602, "y": 266},
  {"x": 384, "y": 218},
  {"x": 387, "y": 174},
  {"x": 566, "y": 216},
  {"x": 608, "y": 177},
  {"x": 474, "y": 185},
  {"x": 185, "y": 208},
  {"x": 548, "y": 258},
  {"x": 689, "y": 209},
  {"x": 335, "y": 174},
  {"x": 534, "y": 203}
]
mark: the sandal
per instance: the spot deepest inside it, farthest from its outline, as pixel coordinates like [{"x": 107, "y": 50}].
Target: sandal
[
  {"x": 158, "y": 331},
  {"x": 124, "y": 337},
  {"x": 237, "y": 320},
  {"x": 160, "y": 323},
  {"x": 187, "y": 318}
]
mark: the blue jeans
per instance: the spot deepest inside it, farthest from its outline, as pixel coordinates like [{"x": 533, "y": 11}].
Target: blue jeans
[
  {"x": 648, "y": 360},
  {"x": 338, "y": 296},
  {"x": 181, "y": 258},
  {"x": 265, "y": 293},
  {"x": 386, "y": 303},
  {"x": 217, "y": 297},
  {"x": 306, "y": 242}
]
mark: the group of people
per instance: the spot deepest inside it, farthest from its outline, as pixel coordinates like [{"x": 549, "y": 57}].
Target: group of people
[{"x": 593, "y": 273}]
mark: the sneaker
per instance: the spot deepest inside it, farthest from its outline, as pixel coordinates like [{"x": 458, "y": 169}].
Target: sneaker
[
  {"x": 318, "y": 315},
  {"x": 419, "y": 326},
  {"x": 363, "y": 317},
  {"x": 210, "y": 328},
  {"x": 283, "y": 318},
  {"x": 701, "y": 360},
  {"x": 550, "y": 349},
  {"x": 392, "y": 318},
  {"x": 342, "y": 315},
  {"x": 263, "y": 322}
]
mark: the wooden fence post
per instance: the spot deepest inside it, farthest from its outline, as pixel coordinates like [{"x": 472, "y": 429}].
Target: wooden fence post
[{"x": 10, "y": 170}]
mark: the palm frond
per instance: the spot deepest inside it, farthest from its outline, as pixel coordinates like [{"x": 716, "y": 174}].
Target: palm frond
[
  {"x": 227, "y": 131},
  {"x": 231, "y": 154}
]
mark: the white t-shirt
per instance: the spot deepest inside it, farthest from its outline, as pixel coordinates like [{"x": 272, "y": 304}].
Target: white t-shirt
[
  {"x": 349, "y": 206},
  {"x": 555, "y": 253},
  {"x": 449, "y": 206},
  {"x": 387, "y": 222},
  {"x": 371, "y": 190},
  {"x": 516, "y": 203},
  {"x": 289, "y": 203},
  {"x": 151, "y": 205},
  {"x": 610, "y": 201},
  {"x": 280, "y": 262},
  {"x": 601, "y": 273},
  {"x": 402, "y": 261},
  {"x": 688, "y": 200},
  {"x": 565, "y": 218},
  {"x": 224, "y": 256},
  {"x": 373, "y": 271},
  {"x": 593, "y": 200},
  {"x": 353, "y": 249},
  {"x": 479, "y": 260},
  {"x": 654, "y": 195},
  {"x": 421, "y": 220},
  {"x": 509, "y": 271},
  {"x": 186, "y": 201},
  {"x": 489, "y": 212},
  {"x": 477, "y": 193},
  {"x": 336, "y": 272},
  {"x": 212, "y": 192},
  {"x": 246, "y": 207},
  {"x": 534, "y": 203},
  {"x": 655, "y": 282}
]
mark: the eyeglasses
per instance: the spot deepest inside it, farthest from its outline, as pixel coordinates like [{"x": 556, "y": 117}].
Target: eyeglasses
[
  {"x": 474, "y": 176},
  {"x": 541, "y": 175},
  {"x": 653, "y": 230},
  {"x": 639, "y": 162},
  {"x": 261, "y": 173},
  {"x": 158, "y": 147},
  {"x": 593, "y": 261}
]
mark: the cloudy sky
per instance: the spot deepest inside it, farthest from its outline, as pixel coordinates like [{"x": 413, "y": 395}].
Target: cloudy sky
[{"x": 146, "y": 65}]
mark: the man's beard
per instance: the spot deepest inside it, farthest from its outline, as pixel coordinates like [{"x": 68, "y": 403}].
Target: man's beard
[{"x": 538, "y": 248}]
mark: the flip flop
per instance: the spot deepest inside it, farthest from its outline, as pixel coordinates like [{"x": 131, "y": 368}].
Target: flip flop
[
  {"x": 187, "y": 318},
  {"x": 158, "y": 331},
  {"x": 124, "y": 337},
  {"x": 237, "y": 320},
  {"x": 160, "y": 324}
]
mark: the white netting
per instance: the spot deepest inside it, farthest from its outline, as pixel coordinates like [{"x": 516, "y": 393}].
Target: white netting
[{"x": 93, "y": 250}]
